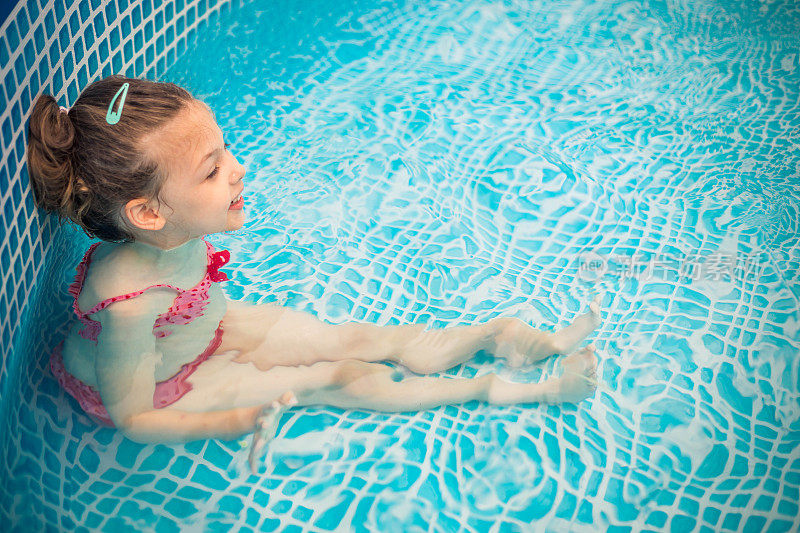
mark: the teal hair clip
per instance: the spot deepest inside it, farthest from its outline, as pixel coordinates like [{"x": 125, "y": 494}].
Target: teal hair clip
[{"x": 112, "y": 117}]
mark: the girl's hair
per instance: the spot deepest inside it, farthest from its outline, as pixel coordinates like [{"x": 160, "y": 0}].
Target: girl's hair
[{"x": 87, "y": 170}]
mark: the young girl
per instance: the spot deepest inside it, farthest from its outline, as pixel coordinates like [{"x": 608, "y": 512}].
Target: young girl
[{"x": 158, "y": 351}]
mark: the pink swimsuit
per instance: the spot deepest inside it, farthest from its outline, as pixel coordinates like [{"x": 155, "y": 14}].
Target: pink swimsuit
[{"x": 188, "y": 305}]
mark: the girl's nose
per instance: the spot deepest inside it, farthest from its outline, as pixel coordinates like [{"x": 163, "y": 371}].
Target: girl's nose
[{"x": 241, "y": 172}]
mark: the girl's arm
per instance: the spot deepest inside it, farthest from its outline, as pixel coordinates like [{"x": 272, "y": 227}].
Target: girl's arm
[
  {"x": 170, "y": 426},
  {"x": 125, "y": 368}
]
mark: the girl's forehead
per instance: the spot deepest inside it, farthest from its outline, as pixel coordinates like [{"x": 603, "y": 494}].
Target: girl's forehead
[
  {"x": 198, "y": 125},
  {"x": 184, "y": 142},
  {"x": 194, "y": 128}
]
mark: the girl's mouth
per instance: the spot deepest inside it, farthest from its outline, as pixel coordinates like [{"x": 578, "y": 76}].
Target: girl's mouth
[{"x": 238, "y": 203}]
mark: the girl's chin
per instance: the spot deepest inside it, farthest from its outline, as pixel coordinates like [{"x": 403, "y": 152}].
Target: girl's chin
[{"x": 235, "y": 221}]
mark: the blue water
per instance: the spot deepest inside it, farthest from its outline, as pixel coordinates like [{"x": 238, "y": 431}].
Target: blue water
[{"x": 449, "y": 162}]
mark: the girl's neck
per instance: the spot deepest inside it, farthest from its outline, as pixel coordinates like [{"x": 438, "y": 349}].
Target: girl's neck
[{"x": 166, "y": 258}]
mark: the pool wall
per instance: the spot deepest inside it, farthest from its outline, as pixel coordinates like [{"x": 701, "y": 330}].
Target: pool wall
[{"x": 57, "y": 48}]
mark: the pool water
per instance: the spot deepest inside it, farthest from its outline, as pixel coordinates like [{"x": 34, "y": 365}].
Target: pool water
[{"x": 450, "y": 162}]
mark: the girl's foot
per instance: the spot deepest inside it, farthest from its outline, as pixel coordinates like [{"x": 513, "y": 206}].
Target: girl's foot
[
  {"x": 521, "y": 344},
  {"x": 577, "y": 383},
  {"x": 579, "y": 379},
  {"x": 568, "y": 339}
]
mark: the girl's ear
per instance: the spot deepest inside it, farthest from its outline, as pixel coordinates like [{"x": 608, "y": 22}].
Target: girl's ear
[{"x": 142, "y": 215}]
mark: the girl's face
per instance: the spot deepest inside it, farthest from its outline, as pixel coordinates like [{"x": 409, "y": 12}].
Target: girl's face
[{"x": 203, "y": 176}]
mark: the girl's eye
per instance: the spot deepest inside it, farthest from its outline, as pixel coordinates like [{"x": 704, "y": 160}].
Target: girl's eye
[{"x": 216, "y": 168}]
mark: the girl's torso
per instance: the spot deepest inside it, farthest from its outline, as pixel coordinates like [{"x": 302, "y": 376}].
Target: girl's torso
[{"x": 114, "y": 271}]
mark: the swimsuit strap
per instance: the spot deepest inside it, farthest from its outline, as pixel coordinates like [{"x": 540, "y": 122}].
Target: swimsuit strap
[
  {"x": 77, "y": 284},
  {"x": 214, "y": 260},
  {"x": 108, "y": 301}
]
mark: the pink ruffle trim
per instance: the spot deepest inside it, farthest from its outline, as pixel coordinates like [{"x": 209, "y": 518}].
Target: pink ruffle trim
[
  {"x": 188, "y": 304},
  {"x": 92, "y": 328},
  {"x": 87, "y": 396}
]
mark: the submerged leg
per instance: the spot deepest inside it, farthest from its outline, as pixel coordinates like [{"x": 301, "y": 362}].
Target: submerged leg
[
  {"x": 269, "y": 335},
  {"x": 435, "y": 350},
  {"x": 375, "y": 387},
  {"x": 426, "y": 352},
  {"x": 576, "y": 383}
]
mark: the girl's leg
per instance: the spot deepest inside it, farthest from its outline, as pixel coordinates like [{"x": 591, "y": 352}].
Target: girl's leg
[
  {"x": 426, "y": 352},
  {"x": 519, "y": 343},
  {"x": 221, "y": 383},
  {"x": 269, "y": 335},
  {"x": 373, "y": 386}
]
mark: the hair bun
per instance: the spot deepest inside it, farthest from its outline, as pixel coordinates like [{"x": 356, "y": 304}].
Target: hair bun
[
  {"x": 51, "y": 136},
  {"x": 63, "y": 132}
]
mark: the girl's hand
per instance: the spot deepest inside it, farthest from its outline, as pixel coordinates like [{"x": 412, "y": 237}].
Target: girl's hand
[
  {"x": 285, "y": 400},
  {"x": 266, "y": 425}
]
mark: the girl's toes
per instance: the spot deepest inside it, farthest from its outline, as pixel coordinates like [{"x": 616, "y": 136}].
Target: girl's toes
[
  {"x": 594, "y": 312},
  {"x": 594, "y": 307}
]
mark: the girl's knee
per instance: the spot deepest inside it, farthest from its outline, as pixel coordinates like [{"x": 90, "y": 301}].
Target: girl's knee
[
  {"x": 422, "y": 366},
  {"x": 354, "y": 374}
]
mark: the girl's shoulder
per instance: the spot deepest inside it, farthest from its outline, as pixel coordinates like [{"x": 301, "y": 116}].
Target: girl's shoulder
[{"x": 115, "y": 270}]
